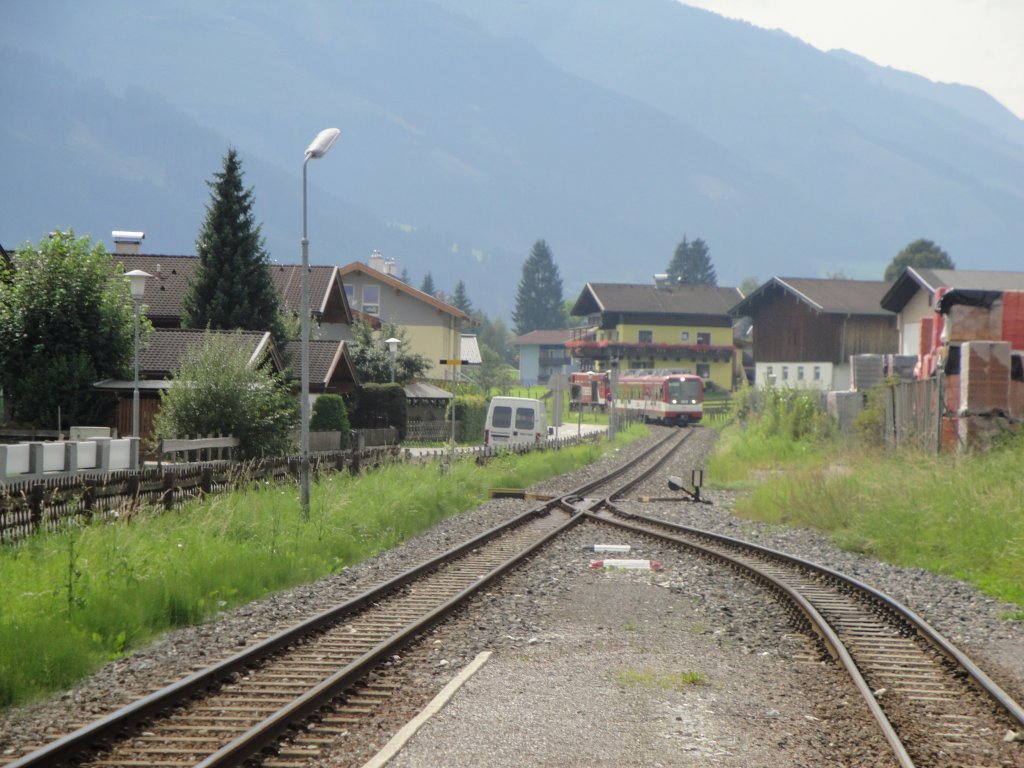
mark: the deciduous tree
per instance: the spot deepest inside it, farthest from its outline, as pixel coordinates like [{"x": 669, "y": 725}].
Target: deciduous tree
[
  {"x": 372, "y": 358},
  {"x": 218, "y": 391},
  {"x": 66, "y": 322},
  {"x": 920, "y": 253}
]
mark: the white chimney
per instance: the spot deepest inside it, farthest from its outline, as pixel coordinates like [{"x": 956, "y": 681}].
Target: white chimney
[
  {"x": 389, "y": 266},
  {"x": 127, "y": 242},
  {"x": 376, "y": 261}
]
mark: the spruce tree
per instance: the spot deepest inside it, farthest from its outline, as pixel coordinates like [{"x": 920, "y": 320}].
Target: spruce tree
[
  {"x": 460, "y": 298},
  {"x": 691, "y": 264},
  {"x": 427, "y": 286},
  {"x": 232, "y": 286},
  {"x": 539, "y": 296}
]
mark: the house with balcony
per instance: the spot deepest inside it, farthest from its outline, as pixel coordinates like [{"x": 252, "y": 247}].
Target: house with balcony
[
  {"x": 433, "y": 327},
  {"x": 543, "y": 353},
  {"x": 660, "y": 326},
  {"x": 806, "y": 330}
]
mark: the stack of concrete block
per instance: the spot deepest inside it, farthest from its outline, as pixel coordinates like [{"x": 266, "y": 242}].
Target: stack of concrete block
[
  {"x": 866, "y": 371},
  {"x": 984, "y": 391}
]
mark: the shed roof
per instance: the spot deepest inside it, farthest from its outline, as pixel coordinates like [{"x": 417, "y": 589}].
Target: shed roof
[
  {"x": 543, "y": 338},
  {"x": 422, "y": 390},
  {"x": 913, "y": 279},
  {"x": 825, "y": 295}
]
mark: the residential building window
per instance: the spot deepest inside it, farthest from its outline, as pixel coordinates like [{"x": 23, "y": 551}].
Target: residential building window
[
  {"x": 371, "y": 299},
  {"x": 684, "y": 336},
  {"x": 350, "y": 294},
  {"x": 800, "y": 373},
  {"x": 817, "y": 373},
  {"x": 646, "y": 337},
  {"x": 769, "y": 370},
  {"x": 703, "y": 337},
  {"x": 785, "y": 373},
  {"x": 704, "y": 370}
]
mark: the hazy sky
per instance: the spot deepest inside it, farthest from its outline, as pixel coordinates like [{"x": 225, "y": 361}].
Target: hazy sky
[{"x": 973, "y": 42}]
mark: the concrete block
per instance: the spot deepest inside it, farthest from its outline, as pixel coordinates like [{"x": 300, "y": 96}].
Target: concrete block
[{"x": 984, "y": 377}]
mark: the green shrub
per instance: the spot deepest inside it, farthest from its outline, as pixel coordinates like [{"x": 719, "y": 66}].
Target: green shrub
[
  {"x": 471, "y": 413},
  {"x": 330, "y": 413}
]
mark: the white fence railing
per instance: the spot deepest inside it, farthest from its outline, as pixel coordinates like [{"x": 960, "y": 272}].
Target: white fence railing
[{"x": 26, "y": 461}]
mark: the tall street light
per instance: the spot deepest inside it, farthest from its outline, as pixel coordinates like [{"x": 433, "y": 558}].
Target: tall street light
[
  {"x": 393, "y": 346},
  {"x": 318, "y": 148},
  {"x": 137, "y": 278}
]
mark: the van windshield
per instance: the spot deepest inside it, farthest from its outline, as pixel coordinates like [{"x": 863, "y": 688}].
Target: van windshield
[
  {"x": 524, "y": 418},
  {"x": 502, "y": 416}
]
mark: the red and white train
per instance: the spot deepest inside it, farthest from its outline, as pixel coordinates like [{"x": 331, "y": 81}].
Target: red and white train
[
  {"x": 661, "y": 396},
  {"x": 589, "y": 389}
]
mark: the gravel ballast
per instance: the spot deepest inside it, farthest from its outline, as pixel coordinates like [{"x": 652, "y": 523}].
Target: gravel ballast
[{"x": 582, "y": 661}]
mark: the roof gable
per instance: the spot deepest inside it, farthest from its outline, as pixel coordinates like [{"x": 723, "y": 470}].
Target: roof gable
[
  {"x": 824, "y": 295},
  {"x": 359, "y": 268},
  {"x": 913, "y": 279}
]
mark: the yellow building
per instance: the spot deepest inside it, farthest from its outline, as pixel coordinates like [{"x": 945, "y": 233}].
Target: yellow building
[
  {"x": 433, "y": 328},
  {"x": 679, "y": 327}
]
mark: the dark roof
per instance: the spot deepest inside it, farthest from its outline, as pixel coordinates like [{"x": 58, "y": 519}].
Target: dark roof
[
  {"x": 165, "y": 293},
  {"x": 913, "y": 279},
  {"x": 160, "y": 357},
  {"x": 825, "y": 295},
  {"x": 329, "y": 361},
  {"x": 359, "y": 268},
  {"x": 649, "y": 299},
  {"x": 543, "y": 338}
]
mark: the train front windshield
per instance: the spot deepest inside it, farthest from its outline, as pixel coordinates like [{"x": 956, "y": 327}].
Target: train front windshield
[{"x": 684, "y": 390}]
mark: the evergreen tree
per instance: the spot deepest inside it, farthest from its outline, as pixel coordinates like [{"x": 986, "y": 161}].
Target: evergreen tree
[
  {"x": 66, "y": 321},
  {"x": 691, "y": 264},
  {"x": 404, "y": 277},
  {"x": 920, "y": 253},
  {"x": 232, "y": 287},
  {"x": 539, "y": 296},
  {"x": 460, "y": 299},
  {"x": 427, "y": 286}
]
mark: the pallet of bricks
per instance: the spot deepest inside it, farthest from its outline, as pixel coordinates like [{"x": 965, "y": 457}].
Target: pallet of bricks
[{"x": 977, "y": 338}]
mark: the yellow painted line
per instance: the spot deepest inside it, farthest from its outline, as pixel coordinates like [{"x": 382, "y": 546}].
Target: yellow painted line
[{"x": 408, "y": 730}]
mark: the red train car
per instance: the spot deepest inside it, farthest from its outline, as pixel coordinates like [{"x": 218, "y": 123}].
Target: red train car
[
  {"x": 662, "y": 397},
  {"x": 589, "y": 389}
]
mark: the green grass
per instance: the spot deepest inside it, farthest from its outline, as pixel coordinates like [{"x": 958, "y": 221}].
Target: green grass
[
  {"x": 76, "y": 599},
  {"x": 662, "y": 681},
  {"x": 955, "y": 515}
]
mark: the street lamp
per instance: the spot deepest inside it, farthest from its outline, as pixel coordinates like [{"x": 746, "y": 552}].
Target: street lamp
[
  {"x": 393, "y": 346},
  {"x": 137, "y": 278},
  {"x": 318, "y": 148}
]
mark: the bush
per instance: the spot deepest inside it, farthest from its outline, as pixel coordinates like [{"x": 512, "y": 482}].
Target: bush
[
  {"x": 471, "y": 413},
  {"x": 216, "y": 392},
  {"x": 329, "y": 414},
  {"x": 381, "y": 405}
]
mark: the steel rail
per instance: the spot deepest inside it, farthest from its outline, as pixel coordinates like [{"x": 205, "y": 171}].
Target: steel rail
[
  {"x": 74, "y": 747},
  {"x": 820, "y": 625}
]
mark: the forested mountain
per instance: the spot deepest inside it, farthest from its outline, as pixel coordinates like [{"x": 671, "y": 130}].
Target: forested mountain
[{"x": 472, "y": 128}]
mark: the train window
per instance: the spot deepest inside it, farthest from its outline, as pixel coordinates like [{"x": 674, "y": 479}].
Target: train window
[
  {"x": 683, "y": 389},
  {"x": 645, "y": 337},
  {"x": 703, "y": 337}
]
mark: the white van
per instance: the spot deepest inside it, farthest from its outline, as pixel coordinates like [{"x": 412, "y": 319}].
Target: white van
[{"x": 515, "y": 421}]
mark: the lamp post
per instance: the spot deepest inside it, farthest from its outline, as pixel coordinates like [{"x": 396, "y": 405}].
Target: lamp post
[
  {"x": 137, "y": 278},
  {"x": 318, "y": 148},
  {"x": 393, "y": 346}
]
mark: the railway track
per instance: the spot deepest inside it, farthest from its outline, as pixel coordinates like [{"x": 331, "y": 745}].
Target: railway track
[
  {"x": 279, "y": 702},
  {"x": 934, "y": 705},
  {"x": 242, "y": 708}
]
